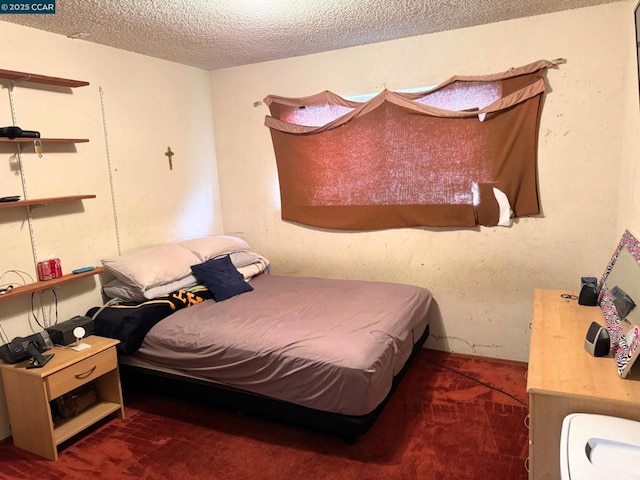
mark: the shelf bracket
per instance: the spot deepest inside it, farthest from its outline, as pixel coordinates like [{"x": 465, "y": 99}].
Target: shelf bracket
[{"x": 14, "y": 81}]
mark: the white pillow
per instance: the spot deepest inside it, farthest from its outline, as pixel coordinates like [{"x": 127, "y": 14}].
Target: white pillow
[
  {"x": 186, "y": 282},
  {"x": 152, "y": 266},
  {"x": 118, "y": 289},
  {"x": 242, "y": 259},
  {"x": 211, "y": 247}
]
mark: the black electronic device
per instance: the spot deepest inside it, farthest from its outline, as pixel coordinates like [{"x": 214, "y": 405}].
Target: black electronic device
[
  {"x": 588, "y": 292},
  {"x": 17, "y": 132},
  {"x": 62, "y": 333},
  {"x": 597, "y": 341},
  {"x": 38, "y": 360},
  {"x": 24, "y": 348}
]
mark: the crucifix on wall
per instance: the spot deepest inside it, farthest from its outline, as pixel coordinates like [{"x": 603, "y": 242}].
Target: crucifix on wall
[{"x": 170, "y": 155}]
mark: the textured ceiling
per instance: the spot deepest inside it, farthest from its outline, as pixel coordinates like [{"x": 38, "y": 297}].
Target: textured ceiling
[{"x": 214, "y": 34}]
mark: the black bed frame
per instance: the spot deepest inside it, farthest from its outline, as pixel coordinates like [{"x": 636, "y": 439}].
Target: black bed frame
[{"x": 349, "y": 427}]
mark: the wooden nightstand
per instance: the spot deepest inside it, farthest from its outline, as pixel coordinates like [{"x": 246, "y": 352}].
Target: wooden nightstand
[{"x": 28, "y": 393}]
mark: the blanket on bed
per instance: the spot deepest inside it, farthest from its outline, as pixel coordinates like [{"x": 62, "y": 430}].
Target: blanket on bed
[{"x": 129, "y": 322}]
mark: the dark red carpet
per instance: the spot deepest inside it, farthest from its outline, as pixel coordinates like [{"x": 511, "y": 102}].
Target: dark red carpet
[{"x": 438, "y": 425}]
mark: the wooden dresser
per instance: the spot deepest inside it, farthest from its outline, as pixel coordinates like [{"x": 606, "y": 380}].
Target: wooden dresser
[{"x": 563, "y": 378}]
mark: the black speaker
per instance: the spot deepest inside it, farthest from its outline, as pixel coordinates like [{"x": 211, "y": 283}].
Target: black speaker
[
  {"x": 597, "y": 342},
  {"x": 588, "y": 295}
]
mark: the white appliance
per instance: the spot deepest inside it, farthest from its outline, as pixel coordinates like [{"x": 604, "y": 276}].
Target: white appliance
[{"x": 599, "y": 447}]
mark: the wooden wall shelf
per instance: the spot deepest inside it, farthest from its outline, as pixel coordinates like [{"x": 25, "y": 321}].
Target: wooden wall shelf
[
  {"x": 44, "y": 201},
  {"x": 43, "y": 79},
  {"x": 19, "y": 77},
  {"x": 43, "y": 140},
  {"x": 56, "y": 282}
]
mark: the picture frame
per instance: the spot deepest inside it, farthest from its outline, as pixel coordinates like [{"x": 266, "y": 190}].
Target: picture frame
[
  {"x": 625, "y": 337},
  {"x": 636, "y": 17}
]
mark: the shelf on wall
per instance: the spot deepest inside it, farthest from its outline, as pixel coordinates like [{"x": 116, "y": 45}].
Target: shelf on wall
[
  {"x": 43, "y": 79},
  {"x": 43, "y": 140},
  {"x": 14, "y": 78},
  {"x": 44, "y": 201},
  {"x": 38, "y": 286}
]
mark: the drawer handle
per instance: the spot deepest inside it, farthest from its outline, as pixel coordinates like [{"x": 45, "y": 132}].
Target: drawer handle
[{"x": 80, "y": 376}]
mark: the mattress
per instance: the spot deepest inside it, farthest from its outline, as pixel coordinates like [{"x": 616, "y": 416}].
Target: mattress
[{"x": 331, "y": 345}]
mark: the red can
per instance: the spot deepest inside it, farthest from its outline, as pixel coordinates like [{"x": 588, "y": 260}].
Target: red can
[
  {"x": 44, "y": 271},
  {"x": 56, "y": 267}
]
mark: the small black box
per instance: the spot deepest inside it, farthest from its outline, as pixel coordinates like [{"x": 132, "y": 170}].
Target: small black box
[{"x": 62, "y": 333}]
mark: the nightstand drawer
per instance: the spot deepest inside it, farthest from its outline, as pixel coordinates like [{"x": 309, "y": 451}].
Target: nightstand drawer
[{"x": 80, "y": 373}]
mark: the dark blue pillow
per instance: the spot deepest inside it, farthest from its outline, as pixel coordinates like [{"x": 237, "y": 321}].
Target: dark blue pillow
[{"x": 221, "y": 278}]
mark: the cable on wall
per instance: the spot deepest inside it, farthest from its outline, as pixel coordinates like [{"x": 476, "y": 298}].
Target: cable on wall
[
  {"x": 110, "y": 167},
  {"x": 4, "y": 338},
  {"x": 24, "y": 279},
  {"x": 44, "y": 323}
]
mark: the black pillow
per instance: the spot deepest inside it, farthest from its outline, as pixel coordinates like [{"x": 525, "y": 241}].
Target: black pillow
[{"x": 221, "y": 278}]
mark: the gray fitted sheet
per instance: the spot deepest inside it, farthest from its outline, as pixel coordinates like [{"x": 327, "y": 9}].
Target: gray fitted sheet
[{"x": 332, "y": 345}]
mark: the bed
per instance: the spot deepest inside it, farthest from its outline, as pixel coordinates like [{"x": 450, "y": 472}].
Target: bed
[{"x": 320, "y": 353}]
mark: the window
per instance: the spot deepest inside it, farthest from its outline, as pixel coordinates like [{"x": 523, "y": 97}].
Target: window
[{"x": 460, "y": 154}]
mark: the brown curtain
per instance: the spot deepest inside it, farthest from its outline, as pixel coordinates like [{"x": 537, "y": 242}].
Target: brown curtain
[{"x": 431, "y": 158}]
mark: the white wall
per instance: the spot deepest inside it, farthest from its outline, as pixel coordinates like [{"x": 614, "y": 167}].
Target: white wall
[
  {"x": 149, "y": 104},
  {"x": 629, "y": 191},
  {"x": 483, "y": 278}
]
